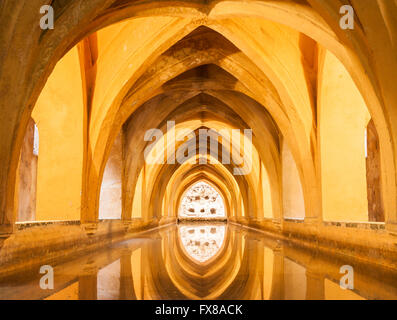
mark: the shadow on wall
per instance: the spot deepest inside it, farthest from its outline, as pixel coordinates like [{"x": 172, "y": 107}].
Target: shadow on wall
[{"x": 26, "y": 185}]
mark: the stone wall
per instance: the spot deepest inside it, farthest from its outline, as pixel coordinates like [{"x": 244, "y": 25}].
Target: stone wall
[
  {"x": 27, "y": 174},
  {"x": 375, "y": 205}
]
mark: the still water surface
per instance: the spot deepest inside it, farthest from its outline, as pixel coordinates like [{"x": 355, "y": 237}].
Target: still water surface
[{"x": 204, "y": 261}]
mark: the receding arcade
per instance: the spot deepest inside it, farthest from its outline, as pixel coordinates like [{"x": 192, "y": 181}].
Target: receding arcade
[{"x": 322, "y": 150}]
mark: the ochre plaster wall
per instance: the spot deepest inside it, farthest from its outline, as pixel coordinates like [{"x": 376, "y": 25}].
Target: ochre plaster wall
[
  {"x": 343, "y": 117},
  {"x": 59, "y": 117},
  {"x": 293, "y": 202}
]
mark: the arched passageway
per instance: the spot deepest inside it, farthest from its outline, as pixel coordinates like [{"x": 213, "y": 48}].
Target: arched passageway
[
  {"x": 266, "y": 115},
  {"x": 202, "y": 201}
]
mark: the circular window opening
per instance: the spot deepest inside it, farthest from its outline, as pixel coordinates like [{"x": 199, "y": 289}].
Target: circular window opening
[{"x": 202, "y": 201}]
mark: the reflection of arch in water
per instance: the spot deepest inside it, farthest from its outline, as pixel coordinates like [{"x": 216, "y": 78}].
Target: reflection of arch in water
[
  {"x": 203, "y": 281},
  {"x": 267, "y": 271},
  {"x": 160, "y": 269},
  {"x": 202, "y": 242},
  {"x": 235, "y": 271}
]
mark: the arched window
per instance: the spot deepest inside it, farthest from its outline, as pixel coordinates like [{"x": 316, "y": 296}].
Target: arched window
[{"x": 202, "y": 201}]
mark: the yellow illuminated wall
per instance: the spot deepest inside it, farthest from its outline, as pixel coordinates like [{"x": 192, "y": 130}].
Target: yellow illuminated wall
[
  {"x": 59, "y": 116},
  {"x": 343, "y": 117},
  {"x": 293, "y": 203}
]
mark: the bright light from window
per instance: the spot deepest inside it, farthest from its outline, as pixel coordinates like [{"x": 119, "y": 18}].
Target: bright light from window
[
  {"x": 202, "y": 201},
  {"x": 36, "y": 141}
]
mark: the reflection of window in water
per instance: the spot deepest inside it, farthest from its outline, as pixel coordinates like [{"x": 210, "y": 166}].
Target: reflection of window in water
[
  {"x": 202, "y": 242},
  {"x": 202, "y": 201}
]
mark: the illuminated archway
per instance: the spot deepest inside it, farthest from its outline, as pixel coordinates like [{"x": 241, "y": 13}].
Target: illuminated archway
[
  {"x": 202, "y": 201},
  {"x": 258, "y": 64}
]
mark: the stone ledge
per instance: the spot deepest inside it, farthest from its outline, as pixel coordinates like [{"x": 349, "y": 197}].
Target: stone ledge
[
  {"x": 198, "y": 219},
  {"x": 51, "y": 242},
  {"x": 295, "y": 220},
  {"x": 30, "y": 224},
  {"x": 357, "y": 240},
  {"x": 358, "y": 225}
]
